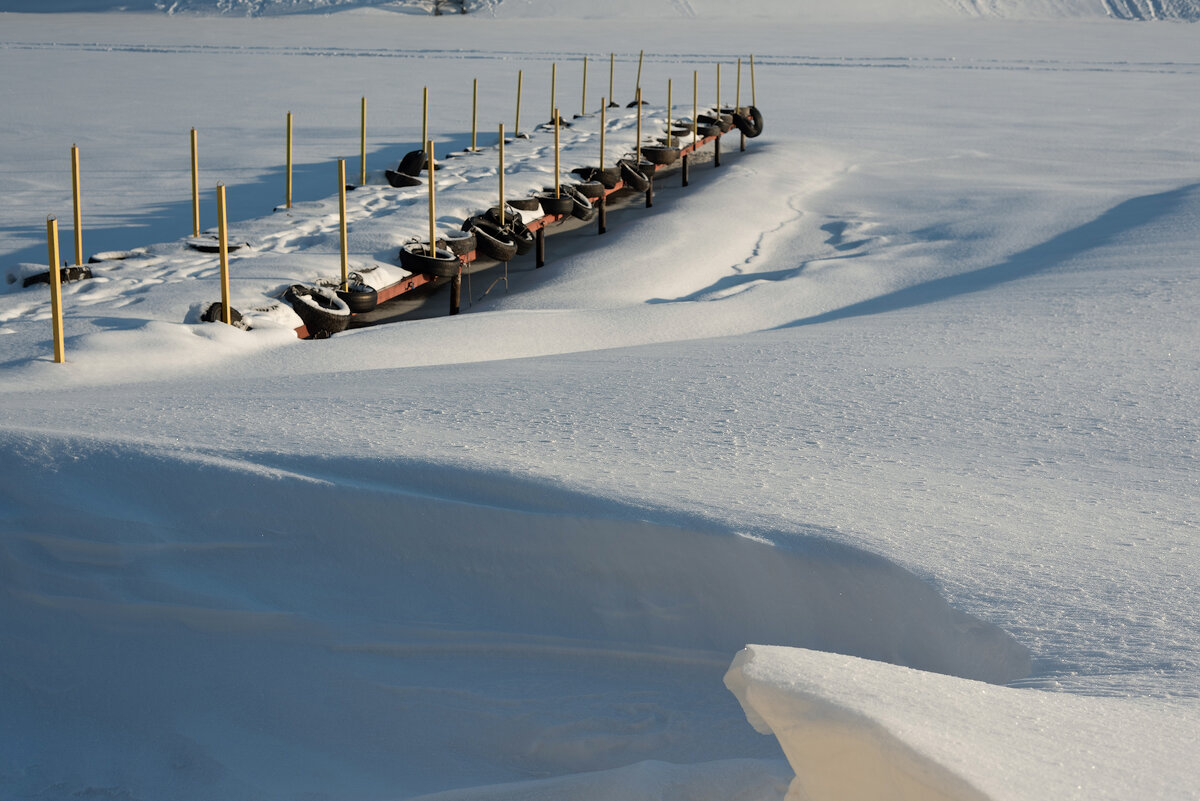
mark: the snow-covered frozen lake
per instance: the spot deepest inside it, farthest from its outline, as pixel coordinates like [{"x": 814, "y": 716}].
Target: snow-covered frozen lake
[{"x": 903, "y": 397}]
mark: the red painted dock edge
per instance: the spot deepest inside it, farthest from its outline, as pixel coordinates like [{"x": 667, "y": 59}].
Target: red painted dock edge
[{"x": 413, "y": 281}]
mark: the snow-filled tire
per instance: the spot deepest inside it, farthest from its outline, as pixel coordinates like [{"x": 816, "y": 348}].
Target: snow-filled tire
[
  {"x": 460, "y": 243},
  {"x": 359, "y": 297},
  {"x": 491, "y": 240},
  {"x": 749, "y": 121},
  {"x": 633, "y": 177},
  {"x": 660, "y": 155},
  {"x": 590, "y": 189},
  {"x": 524, "y": 203},
  {"x": 415, "y": 258},
  {"x": 321, "y": 310}
]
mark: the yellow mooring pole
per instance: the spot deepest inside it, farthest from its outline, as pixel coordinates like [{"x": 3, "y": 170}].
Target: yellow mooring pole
[
  {"x": 75, "y": 194},
  {"x": 55, "y": 289},
  {"x": 556, "y": 186},
  {"x": 612, "y": 58},
  {"x": 718, "y": 88},
  {"x": 583, "y": 102},
  {"x": 638, "y": 99},
  {"x": 474, "y": 112},
  {"x": 553, "y": 93},
  {"x": 695, "y": 105},
  {"x": 342, "y": 221},
  {"x": 603, "y": 127},
  {"x": 753, "y": 99},
  {"x": 432, "y": 232},
  {"x": 737, "y": 92},
  {"x": 670, "y": 135},
  {"x": 637, "y": 87},
  {"x": 223, "y": 249},
  {"x": 425, "y": 122},
  {"x": 288, "y": 180},
  {"x": 517, "y": 122},
  {"x": 195, "y": 188},
  {"x": 501, "y": 175},
  {"x": 362, "y": 148}
]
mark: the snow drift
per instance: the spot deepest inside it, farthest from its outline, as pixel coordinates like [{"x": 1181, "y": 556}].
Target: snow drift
[{"x": 304, "y": 608}]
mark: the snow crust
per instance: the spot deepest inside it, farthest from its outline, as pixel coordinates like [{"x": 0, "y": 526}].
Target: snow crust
[
  {"x": 857, "y": 730},
  {"x": 912, "y": 379}
]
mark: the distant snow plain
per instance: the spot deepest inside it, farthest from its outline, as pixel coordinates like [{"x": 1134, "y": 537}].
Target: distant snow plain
[{"x": 903, "y": 398}]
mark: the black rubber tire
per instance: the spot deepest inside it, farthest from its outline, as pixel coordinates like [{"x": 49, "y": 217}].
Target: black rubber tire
[
  {"x": 560, "y": 206},
  {"x": 400, "y": 180},
  {"x": 590, "y": 189},
  {"x": 660, "y": 155},
  {"x": 514, "y": 226},
  {"x": 360, "y": 298},
  {"x": 749, "y": 121},
  {"x": 723, "y": 121},
  {"x": 524, "y": 203},
  {"x": 461, "y": 244},
  {"x": 633, "y": 177},
  {"x": 65, "y": 274},
  {"x": 412, "y": 163},
  {"x": 415, "y": 258},
  {"x": 581, "y": 207},
  {"x": 491, "y": 240},
  {"x": 608, "y": 177},
  {"x": 322, "y": 311},
  {"x": 213, "y": 314}
]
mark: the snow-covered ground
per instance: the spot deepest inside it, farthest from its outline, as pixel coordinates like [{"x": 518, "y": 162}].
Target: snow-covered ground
[{"x": 903, "y": 398}]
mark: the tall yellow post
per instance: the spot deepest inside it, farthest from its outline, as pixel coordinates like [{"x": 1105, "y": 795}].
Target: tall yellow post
[
  {"x": 223, "y": 249},
  {"x": 517, "y": 122},
  {"x": 637, "y": 88},
  {"x": 737, "y": 91},
  {"x": 432, "y": 231},
  {"x": 195, "y": 188},
  {"x": 612, "y": 58},
  {"x": 425, "y": 122},
  {"x": 638, "y": 99},
  {"x": 718, "y": 88},
  {"x": 55, "y": 289},
  {"x": 583, "y": 102},
  {"x": 474, "y": 112},
  {"x": 553, "y": 93},
  {"x": 554, "y": 117},
  {"x": 501, "y": 174},
  {"x": 670, "y": 108},
  {"x": 75, "y": 194},
  {"x": 288, "y": 180},
  {"x": 695, "y": 105},
  {"x": 603, "y": 127},
  {"x": 362, "y": 148},
  {"x": 753, "y": 99},
  {"x": 342, "y": 221}
]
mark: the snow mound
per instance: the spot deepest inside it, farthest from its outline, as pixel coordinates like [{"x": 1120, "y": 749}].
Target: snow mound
[
  {"x": 227, "y": 620},
  {"x": 855, "y": 730}
]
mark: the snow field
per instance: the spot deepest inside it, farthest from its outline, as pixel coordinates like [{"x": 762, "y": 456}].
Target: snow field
[{"x": 937, "y": 323}]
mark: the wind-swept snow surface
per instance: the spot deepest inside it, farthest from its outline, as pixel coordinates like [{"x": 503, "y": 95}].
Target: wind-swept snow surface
[{"x": 908, "y": 388}]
